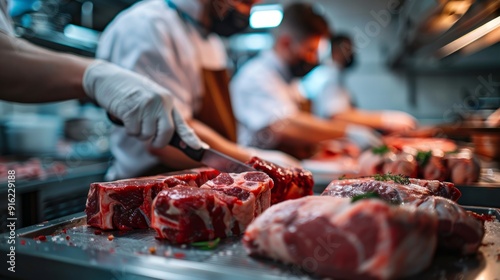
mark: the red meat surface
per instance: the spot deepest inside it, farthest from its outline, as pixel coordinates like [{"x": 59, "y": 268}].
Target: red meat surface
[
  {"x": 289, "y": 183},
  {"x": 332, "y": 237},
  {"x": 457, "y": 231},
  {"x": 222, "y": 207}
]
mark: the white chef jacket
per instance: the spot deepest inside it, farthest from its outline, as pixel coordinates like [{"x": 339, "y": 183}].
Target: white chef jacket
[
  {"x": 5, "y": 21},
  {"x": 153, "y": 39},
  {"x": 323, "y": 87},
  {"x": 263, "y": 91}
]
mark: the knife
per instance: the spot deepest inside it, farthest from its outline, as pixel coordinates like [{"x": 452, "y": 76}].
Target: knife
[{"x": 208, "y": 157}]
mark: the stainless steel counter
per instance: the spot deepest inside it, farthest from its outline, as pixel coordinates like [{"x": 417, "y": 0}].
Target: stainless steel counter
[{"x": 74, "y": 251}]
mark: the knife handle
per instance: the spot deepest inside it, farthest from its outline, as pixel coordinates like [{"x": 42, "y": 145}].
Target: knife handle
[{"x": 177, "y": 142}]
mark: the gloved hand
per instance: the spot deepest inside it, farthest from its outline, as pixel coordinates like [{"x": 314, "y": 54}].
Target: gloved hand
[
  {"x": 276, "y": 157},
  {"x": 145, "y": 108},
  {"x": 494, "y": 119},
  {"x": 363, "y": 136},
  {"x": 397, "y": 121}
]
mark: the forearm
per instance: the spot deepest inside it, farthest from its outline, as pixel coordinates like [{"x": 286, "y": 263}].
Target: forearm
[
  {"x": 304, "y": 128},
  {"x": 217, "y": 142},
  {"x": 30, "y": 74},
  {"x": 175, "y": 159},
  {"x": 369, "y": 119}
]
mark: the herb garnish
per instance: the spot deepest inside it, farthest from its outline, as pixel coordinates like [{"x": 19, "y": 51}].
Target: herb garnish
[
  {"x": 367, "y": 195},
  {"x": 343, "y": 177},
  {"x": 206, "y": 245},
  {"x": 382, "y": 150},
  {"x": 399, "y": 179},
  {"x": 423, "y": 157}
]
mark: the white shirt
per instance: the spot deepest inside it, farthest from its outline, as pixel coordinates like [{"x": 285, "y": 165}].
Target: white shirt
[
  {"x": 323, "y": 87},
  {"x": 263, "y": 91},
  {"x": 152, "y": 39},
  {"x": 5, "y": 21}
]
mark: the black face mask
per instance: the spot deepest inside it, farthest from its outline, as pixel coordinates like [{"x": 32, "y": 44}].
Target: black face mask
[
  {"x": 301, "y": 68},
  {"x": 234, "y": 22},
  {"x": 350, "y": 63}
]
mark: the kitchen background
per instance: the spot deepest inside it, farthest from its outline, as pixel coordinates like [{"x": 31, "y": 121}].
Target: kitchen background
[
  {"x": 389, "y": 34},
  {"x": 401, "y": 64}
]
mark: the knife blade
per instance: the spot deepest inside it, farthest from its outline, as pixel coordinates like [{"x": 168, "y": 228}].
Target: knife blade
[
  {"x": 211, "y": 157},
  {"x": 208, "y": 157}
]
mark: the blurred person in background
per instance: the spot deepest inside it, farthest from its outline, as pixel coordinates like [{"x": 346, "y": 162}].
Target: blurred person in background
[
  {"x": 177, "y": 44},
  {"x": 331, "y": 100},
  {"x": 266, "y": 97},
  {"x": 30, "y": 74}
]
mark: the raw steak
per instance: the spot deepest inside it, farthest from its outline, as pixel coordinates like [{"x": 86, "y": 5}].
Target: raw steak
[
  {"x": 434, "y": 169},
  {"x": 436, "y": 145},
  {"x": 289, "y": 183},
  {"x": 400, "y": 163},
  {"x": 464, "y": 167},
  {"x": 332, "y": 237},
  {"x": 457, "y": 230},
  {"x": 390, "y": 191},
  {"x": 222, "y": 207},
  {"x": 126, "y": 204}
]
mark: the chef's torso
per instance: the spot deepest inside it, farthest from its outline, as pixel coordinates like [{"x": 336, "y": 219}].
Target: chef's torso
[
  {"x": 262, "y": 92},
  {"x": 324, "y": 88},
  {"x": 153, "y": 39}
]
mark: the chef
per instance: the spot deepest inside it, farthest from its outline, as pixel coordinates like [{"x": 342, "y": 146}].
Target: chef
[
  {"x": 266, "y": 97},
  {"x": 330, "y": 99},
  {"x": 176, "y": 43},
  {"x": 30, "y": 74}
]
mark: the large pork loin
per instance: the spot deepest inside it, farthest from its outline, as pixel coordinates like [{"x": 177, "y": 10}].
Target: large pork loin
[
  {"x": 332, "y": 237},
  {"x": 458, "y": 230},
  {"x": 222, "y": 207}
]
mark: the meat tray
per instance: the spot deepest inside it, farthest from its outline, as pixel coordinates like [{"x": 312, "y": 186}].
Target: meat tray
[{"x": 75, "y": 251}]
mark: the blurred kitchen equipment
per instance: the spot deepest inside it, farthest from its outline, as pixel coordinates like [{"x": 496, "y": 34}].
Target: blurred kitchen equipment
[{"x": 30, "y": 134}]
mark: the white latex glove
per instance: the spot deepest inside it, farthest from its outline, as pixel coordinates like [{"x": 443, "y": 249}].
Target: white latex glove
[
  {"x": 145, "y": 108},
  {"x": 363, "y": 136},
  {"x": 276, "y": 157},
  {"x": 494, "y": 119},
  {"x": 397, "y": 121}
]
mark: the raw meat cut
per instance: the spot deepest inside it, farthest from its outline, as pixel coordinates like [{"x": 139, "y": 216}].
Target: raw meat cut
[
  {"x": 435, "y": 145},
  {"x": 332, "y": 237},
  {"x": 457, "y": 229},
  {"x": 289, "y": 183},
  {"x": 126, "y": 204},
  {"x": 401, "y": 163},
  {"x": 464, "y": 167},
  {"x": 221, "y": 207},
  {"x": 390, "y": 191},
  {"x": 434, "y": 168},
  {"x": 387, "y": 161},
  {"x": 459, "y": 167},
  {"x": 438, "y": 188}
]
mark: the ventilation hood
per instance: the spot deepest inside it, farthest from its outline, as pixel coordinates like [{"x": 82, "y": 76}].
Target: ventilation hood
[{"x": 457, "y": 34}]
